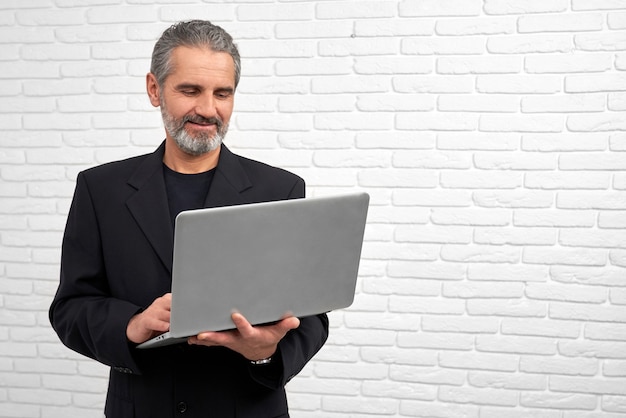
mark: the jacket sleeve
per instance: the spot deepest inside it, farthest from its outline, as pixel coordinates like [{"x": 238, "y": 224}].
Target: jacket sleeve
[{"x": 83, "y": 313}]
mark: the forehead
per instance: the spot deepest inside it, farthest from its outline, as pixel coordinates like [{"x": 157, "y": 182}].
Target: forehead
[{"x": 195, "y": 64}]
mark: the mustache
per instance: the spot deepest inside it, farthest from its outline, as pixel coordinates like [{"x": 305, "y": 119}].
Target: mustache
[{"x": 203, "y": 121}]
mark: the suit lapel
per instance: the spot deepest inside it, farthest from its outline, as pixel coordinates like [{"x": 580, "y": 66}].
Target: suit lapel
[
  {"x": 229, "y": 181},
  {"x": 149, "y": 207}
]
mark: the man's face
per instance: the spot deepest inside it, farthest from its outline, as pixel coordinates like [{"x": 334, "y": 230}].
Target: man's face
[{"x": 197, "y": 98}]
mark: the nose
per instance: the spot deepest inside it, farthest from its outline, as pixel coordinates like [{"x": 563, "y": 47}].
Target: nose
[{"x": 206, "y": 106}]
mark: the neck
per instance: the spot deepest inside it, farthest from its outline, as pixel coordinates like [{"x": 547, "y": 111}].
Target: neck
[{"x": 182, "y": 162}]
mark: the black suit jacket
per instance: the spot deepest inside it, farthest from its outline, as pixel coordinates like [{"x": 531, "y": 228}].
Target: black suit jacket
[{"x": 117, "y": 258}]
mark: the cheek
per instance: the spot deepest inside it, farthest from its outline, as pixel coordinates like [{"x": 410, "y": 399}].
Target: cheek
[{"x": 225, "y": 111}]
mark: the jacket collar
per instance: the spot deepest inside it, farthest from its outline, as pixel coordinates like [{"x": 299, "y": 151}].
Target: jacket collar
[{"x": 148, "y": 204}]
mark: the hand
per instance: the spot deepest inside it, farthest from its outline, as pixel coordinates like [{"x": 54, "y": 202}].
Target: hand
[
  {"x": 154, "y": 320},
  {"x": 254, "y": 343}
]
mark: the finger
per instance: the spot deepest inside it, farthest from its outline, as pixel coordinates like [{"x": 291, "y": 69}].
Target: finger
[
  {"x": 243, "y": 326},
  {"x": 290, "y": 323}
]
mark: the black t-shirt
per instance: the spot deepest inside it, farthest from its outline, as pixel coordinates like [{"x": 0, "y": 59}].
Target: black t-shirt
[{"x": 186, "y": 191}]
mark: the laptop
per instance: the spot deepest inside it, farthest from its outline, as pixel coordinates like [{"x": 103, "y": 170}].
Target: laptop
[{"x": 264, "y": 260}]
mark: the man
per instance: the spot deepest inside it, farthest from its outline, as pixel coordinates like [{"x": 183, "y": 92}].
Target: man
[{"x": 117, "y": 252}]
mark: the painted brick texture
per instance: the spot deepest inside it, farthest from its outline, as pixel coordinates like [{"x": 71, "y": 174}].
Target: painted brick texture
[{"x": 489, "y": 133}]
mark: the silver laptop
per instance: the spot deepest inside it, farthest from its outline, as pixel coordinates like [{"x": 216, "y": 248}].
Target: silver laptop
[{"x": 264, "y": 260}]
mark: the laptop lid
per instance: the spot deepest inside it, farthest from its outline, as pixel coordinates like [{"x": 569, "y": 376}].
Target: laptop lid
[{"x": 265, "y": 260}]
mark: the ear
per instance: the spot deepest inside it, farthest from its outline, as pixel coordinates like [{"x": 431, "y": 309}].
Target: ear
[{"x": 152, "y": 87}]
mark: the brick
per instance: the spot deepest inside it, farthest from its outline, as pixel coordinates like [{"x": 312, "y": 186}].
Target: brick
[
  {"x": 350, "y": 84},
  {"x": 359, "y": 405},
  {"x": 612, "y": 219},
  {"x": 439, "y": 409},
  {"x": 353, "y": 121},
  {"x": 111, "y": 14},
  {"x": 521, "y": 123},
  {"x": 475, "y": 26},
  {"x": 617, "y": 101},
  {"x": 564, "y": 142},
  {"x": 562, "y": 63},
  {"x": 565, "y": 103},
  {"x": 498, "y": 397},
  {"x": 399, "y": 390},
  {"x": 393, "y": 65},
  {"x": 595, "y": 238},
  {"x": 437, "y": 121},
  {"x": 330, "y": 387},
  {"x": 439, "y": 8},
  {"x": 427, "y": 375},
  {"x": 516, "y": 345},
  {"x": 358, "y": 47},
  {"x": 258, "y": 12},
  {"x": 566, "y": 256},
  {"x": 425, "y": 84},
  {"x": 553, "y": 218},
  {"x": 477, "y": 217},
  {"x": 433, "y": 234},
  {"x": 559, "y": 366},
  {"x": 399, "y": 357},
  {"x": 587, "y": 312},
  {"x": 515, "y": 236},
  {"x": 460, "y": 324},
  {"x": 507, "y": 308},
  {"x": 308, "y": 29},
  {"x": 541, "y": 327},
  {"x": 483, "y": 103},
  {"x": 595, "y": 83},
  {"x": 426, "y": 270},
  {"x": 313, "y": 66},
  {"x": 614, "y": 404},
  {"x": 504, "y": 7},
  {"x": 596, "y": 123},
  {"x": 603, "y": 42},
  {"x": 605, "y": 331},
  {"x": 593, "y": 349},
  {"x": 477, "y": 141},
  {"x": 593, "y": 275},
  {"x": 527, "y": 161},
  {"x": 466, "y": 45},
  {"x": 514, "y": 381},
  {"x": 351, "y": 10},
  {"x": 394, "y": 103},
  {"x": 426, "y": 305},
  {"x": 430, "y": 198},
  {"x": 586, "y": 385},
  {"x": 579, "y": 22},
  {"x": 616, "y": 20},
  {"x": 394, "y": 27},
  {"x": 518, "y": 412},
  {"x": 479, "y": 65},
  {"x": 530, "y": 44},
  {"x": 566, "y": 293},
  {"x": 518, "y": 84},
  {"x": 597, "y": 5},
  {"x": 479, "y": 253},
  {"x": 615, "y": 368},
  {"x": 469, "y": 290},
  {"x": 561, "y": 401},
  {"x": 480, "y": 179}
]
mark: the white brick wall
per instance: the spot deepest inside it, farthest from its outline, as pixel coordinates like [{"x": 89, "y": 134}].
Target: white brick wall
[{"x": 489, "y": 133}]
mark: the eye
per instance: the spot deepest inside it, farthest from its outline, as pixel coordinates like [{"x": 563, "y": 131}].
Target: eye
[{"x": 223, "y": 94}]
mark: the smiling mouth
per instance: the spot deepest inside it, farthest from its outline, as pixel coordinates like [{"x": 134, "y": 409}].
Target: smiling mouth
[{"x": 203, "y": 122}]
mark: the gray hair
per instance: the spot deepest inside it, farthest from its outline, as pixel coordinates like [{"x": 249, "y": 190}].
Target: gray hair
[{"x": 192, "y": 33}]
